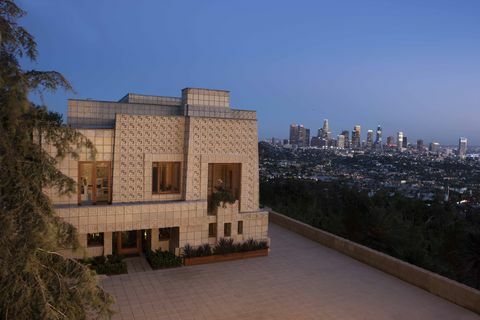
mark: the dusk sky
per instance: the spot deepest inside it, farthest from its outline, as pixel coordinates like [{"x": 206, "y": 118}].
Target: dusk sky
[{"x": 411, "y": 66}]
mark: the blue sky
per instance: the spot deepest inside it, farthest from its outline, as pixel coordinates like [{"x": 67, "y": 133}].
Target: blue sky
[{"x": 411, "y": 66}]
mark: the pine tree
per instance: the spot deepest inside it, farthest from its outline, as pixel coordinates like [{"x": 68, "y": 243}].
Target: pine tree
[{"x": 36, "y": 281}]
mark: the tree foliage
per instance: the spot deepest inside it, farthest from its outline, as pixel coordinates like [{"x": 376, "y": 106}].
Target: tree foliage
[
  {"x": 433, "y": 235},
  {"x": 36, "y": 281}
]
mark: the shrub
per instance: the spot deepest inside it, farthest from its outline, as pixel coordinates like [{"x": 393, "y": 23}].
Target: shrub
[
  {"x": 109, "y": 265},
  {"x": 224, "y": 246},
  {"x": 163, "y": 259},
  {"x": 221, "y": 195}
]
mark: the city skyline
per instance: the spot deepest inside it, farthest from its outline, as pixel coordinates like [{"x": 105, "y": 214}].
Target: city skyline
[
  {"x": 410, "y": 66},
  {"x": 364, "y": 135}
]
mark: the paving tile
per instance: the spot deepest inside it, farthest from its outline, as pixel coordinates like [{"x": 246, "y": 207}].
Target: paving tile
[{"x": 300, "y": 279}]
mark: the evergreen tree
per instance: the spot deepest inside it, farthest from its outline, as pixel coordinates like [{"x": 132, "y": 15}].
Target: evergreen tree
[{"x": 36, "y": 281}]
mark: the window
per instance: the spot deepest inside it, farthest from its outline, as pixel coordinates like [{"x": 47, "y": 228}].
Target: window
[
  {"x": 94, "y": 239},
  {"x": 227, "y": 229},
  {"x": 164, "y": 234},
  {"x": 212, "y": 229},
  {"x": 240, "y": 227},
  {"x": 165, "y": 177},
  {"x": 94, "y": 182}
]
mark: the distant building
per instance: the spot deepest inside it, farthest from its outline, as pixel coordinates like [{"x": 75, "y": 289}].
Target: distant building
[
  {"x": 369, "y": 143},
  {"x": 315, "y": 142},
  {"x": 378, "y": 138},
  {"x": 346, "y": 135},
  {"x": 420, "y": 146},
  {"x": 405, "y": 142},
  {"x": 293, "y": 134},
  {"x": 341, "y": 141},
  {"x": 462, "y": 147},
  {"x": 390, "y": 141},
  {"x": 356, "y": 137},
  {"x": 400, "y": 141},
  {"x": 434, "y": 147},
  {"x": 299, "y": 135}
]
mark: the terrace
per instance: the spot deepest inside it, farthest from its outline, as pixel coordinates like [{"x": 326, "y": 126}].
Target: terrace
[{"x": 300, "y": 279}]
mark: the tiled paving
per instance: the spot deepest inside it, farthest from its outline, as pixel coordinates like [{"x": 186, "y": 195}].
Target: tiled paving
[
  {"x": 137, "y": 264},
  {"x": 300, "y": 279}
]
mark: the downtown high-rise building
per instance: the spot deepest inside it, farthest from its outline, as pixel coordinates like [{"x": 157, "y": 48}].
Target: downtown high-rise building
[
  {"x": 299, "y": 135},
  {"x": 341, "y": 141},
  {"x": 378, "y": 138},
  {"x": 356, "y": 137},
  {"x": 462, "y": 147},
  {"x": 390, "y": 141},
  {"x": 405, "y": 142},
  {"x": 346, "y": 135},
  {"x": 420, "y": 146},
  {"x": 400, "y": 141},
  {"x": 434, "y": 147},
  {"x": 369, "y": 143}
]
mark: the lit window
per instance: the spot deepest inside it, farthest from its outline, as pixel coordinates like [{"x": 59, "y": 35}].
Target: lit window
[
  {"x": 94, "y": 239},
  {"x": 166, "y": 177},
  {"x": 212, "y": 229},
  {"x": 240, "y": 227},
  {"x": 227, "y": 229}
]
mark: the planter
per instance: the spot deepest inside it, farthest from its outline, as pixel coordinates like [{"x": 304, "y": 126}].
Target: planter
[{"x": 225, "y": 257}]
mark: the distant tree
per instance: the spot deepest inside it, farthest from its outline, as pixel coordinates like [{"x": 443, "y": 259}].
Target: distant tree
[
  {"x": 36, "y": 281},
  {"x": 472, "y": 257}
]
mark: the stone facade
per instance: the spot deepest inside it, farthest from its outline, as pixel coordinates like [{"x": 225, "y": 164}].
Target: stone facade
[{"x": 195, "y": 131}]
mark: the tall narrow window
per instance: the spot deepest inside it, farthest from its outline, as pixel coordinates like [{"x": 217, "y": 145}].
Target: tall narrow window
[
  {"x": 166, "y": 177},
  {"x": 212, "y": 229},
  {"x": 240, "y": 227},
  {"x": 227, "y": 229}
]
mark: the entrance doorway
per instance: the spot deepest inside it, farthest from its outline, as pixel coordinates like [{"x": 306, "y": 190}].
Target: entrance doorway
[{"x": 129, "y": 242}]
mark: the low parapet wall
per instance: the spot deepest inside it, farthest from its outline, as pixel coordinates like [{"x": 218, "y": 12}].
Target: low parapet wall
[{"x": 450, "y": 290}]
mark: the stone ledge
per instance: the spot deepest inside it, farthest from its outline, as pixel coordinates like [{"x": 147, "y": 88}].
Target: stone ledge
[{"x": 443, "y": 287}]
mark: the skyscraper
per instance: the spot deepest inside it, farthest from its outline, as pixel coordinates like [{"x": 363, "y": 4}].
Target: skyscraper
[
  {"x": 434, "y": 147},
  {"x": 299, "y": 135},
  {"x": 462, "y": 147},
  {"x": 325, "y": 128},
  {"x": 420, "y": 147},
  {"x": 356, "y": 142},
  {"x": 306, "y": 138},
  {"x": 378, "y": 138},
  {"x": 341, "y": 141},
  {"x": 369, "y": 139},
  {"x": 390, "y": 142},
  {"x": 346, "y": 135},
  {"x": 405, "y": 143},
  {"x": 293, "y": 134},
  {"x": 400, "y": 141}
]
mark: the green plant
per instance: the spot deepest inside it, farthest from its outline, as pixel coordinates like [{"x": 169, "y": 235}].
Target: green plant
[
  {"x": 221, "y": 196},
  {"x": 224, "y": 246},
  {"x": 109, "y": 265},
  {"x": 163, "y": 259},
  {"x": 200, "y": 251}
]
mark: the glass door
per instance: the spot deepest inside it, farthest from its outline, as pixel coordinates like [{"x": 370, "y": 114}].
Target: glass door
[
  {"x": 86, "y": 182},
  {"x": 94, "y": 182},
  {"x": 102, "y": 178}
]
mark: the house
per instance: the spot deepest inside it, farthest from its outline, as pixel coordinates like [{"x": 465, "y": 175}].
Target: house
[{"x": 159, "y": 163}]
